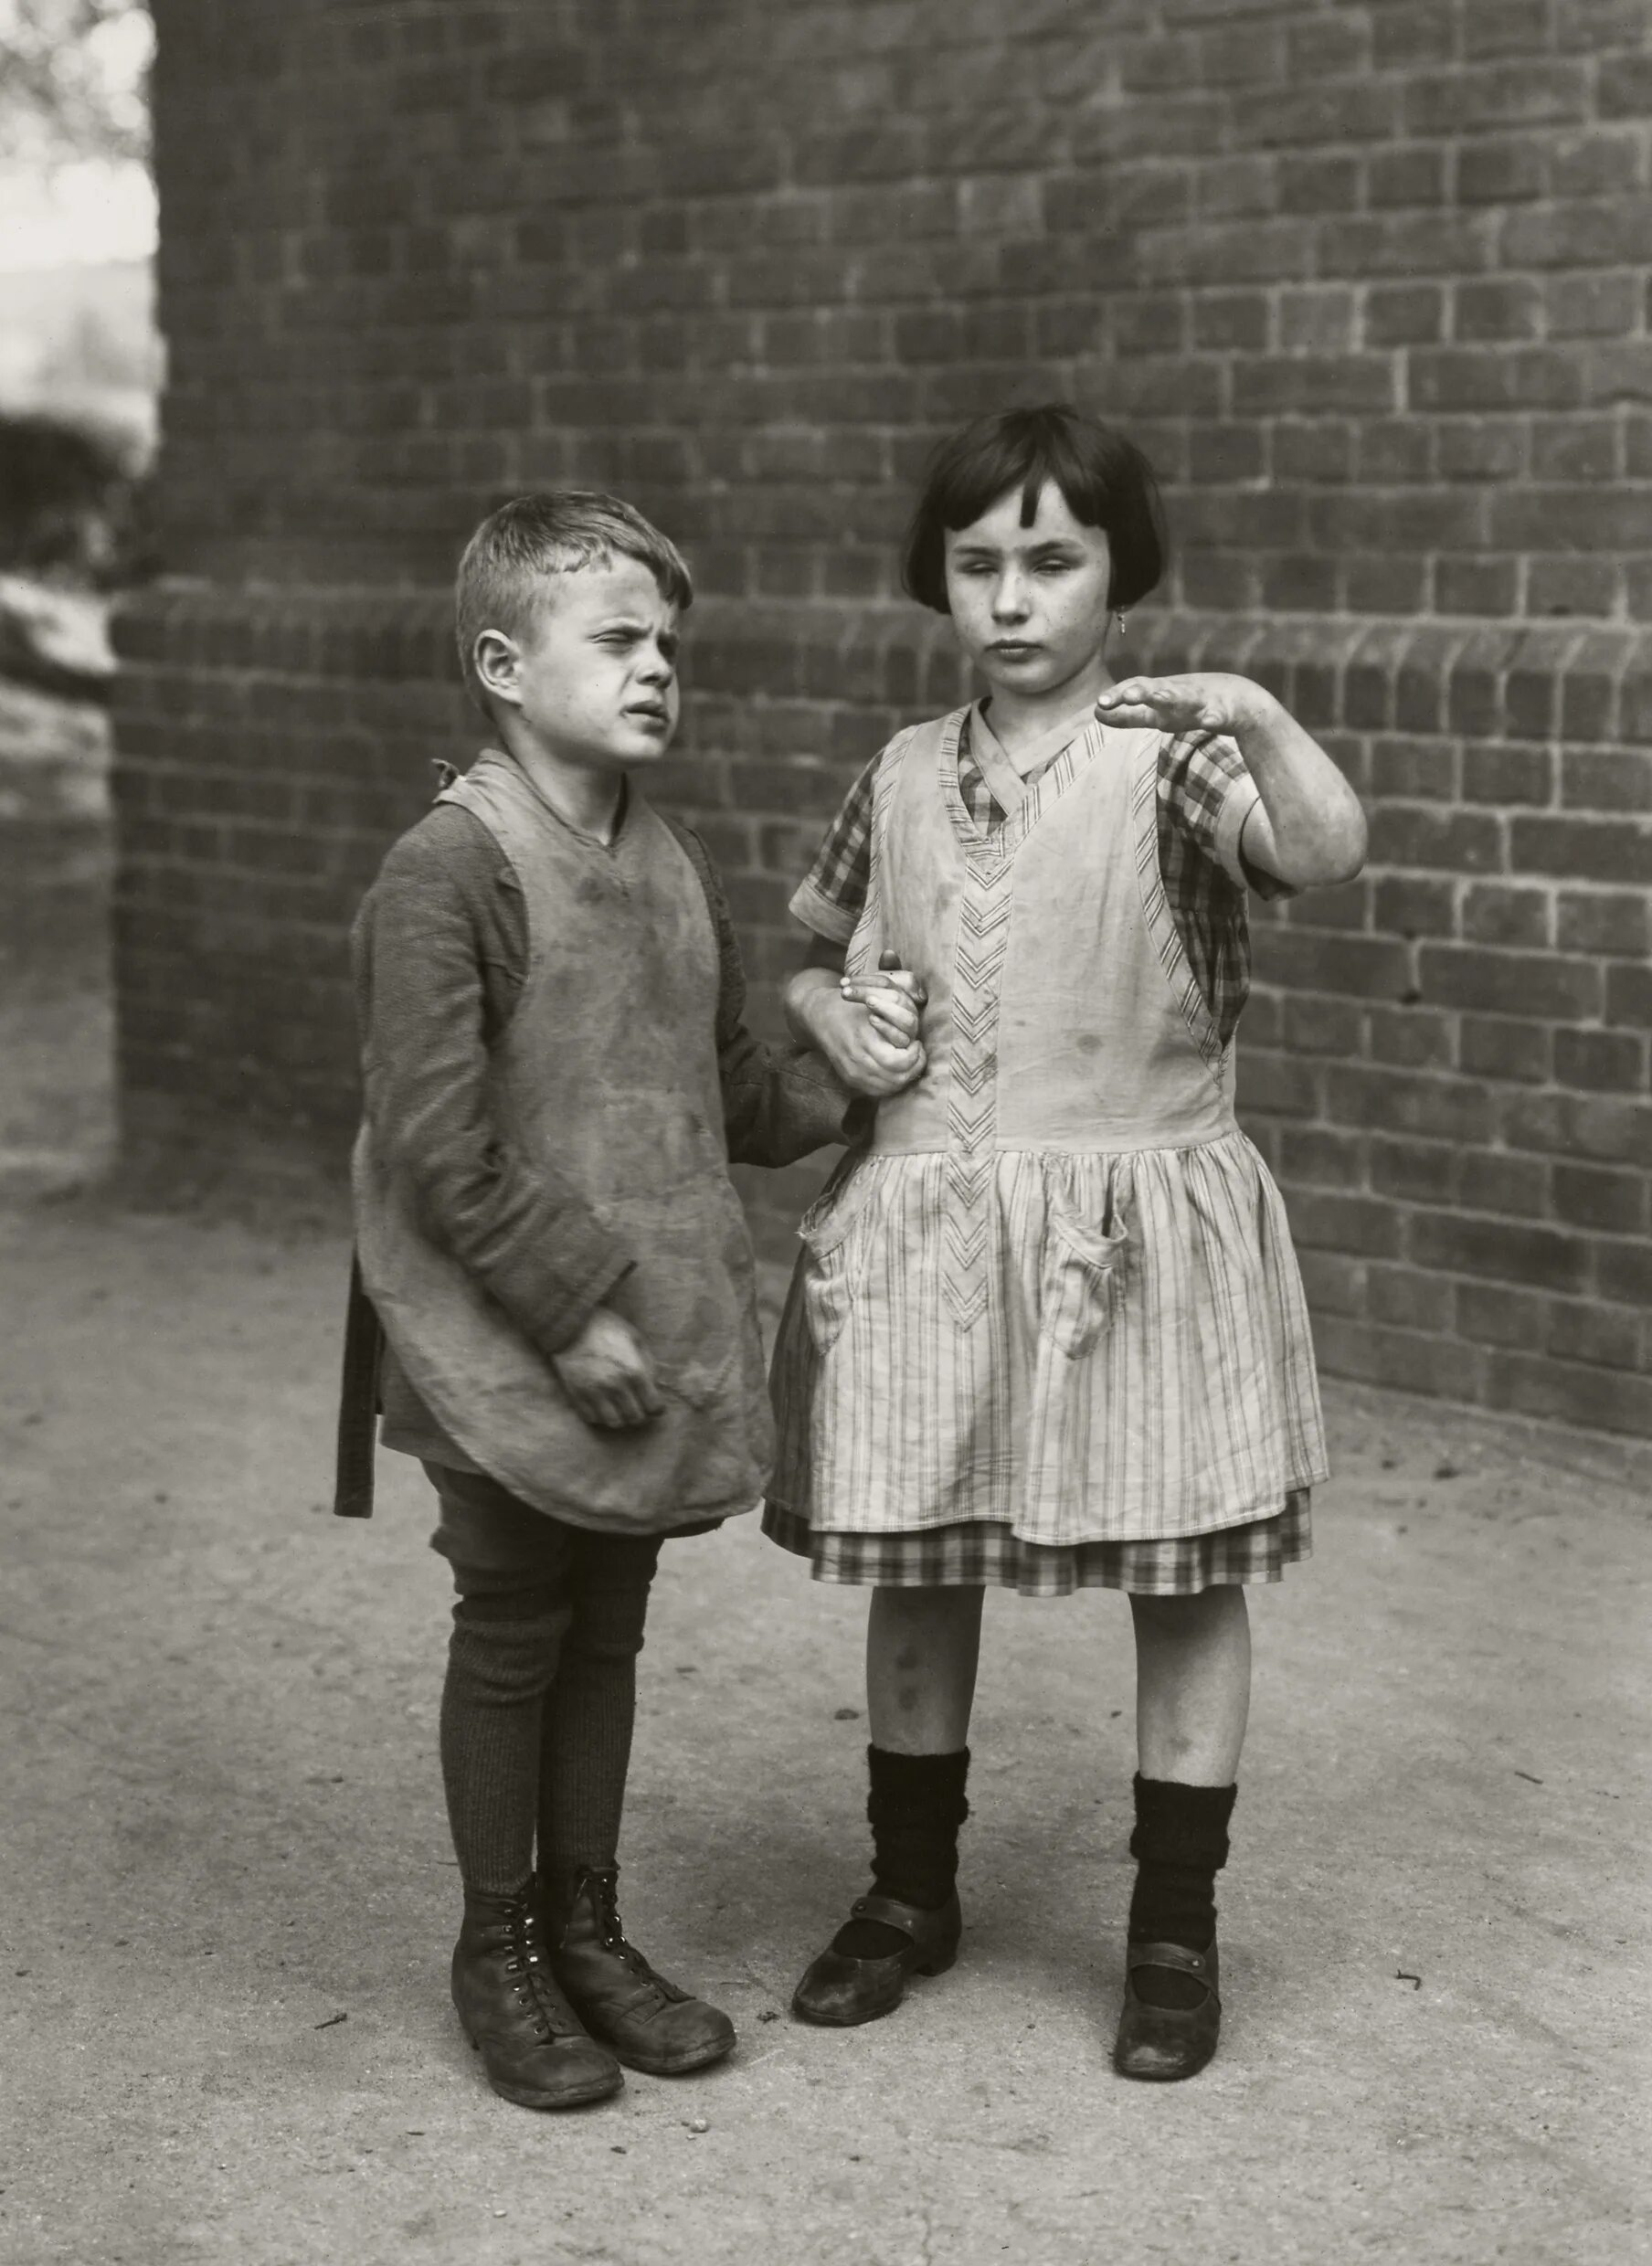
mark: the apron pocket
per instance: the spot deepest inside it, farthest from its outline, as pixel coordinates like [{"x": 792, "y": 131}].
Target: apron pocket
[
  {"x": 1082, "y": 1281},
  {"x": 834, "y": 1233}
]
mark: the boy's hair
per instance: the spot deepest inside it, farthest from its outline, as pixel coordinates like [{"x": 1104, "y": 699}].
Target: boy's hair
[
  {"x": 1107, "y": 480},
  {"x": 554, "y": 533}
]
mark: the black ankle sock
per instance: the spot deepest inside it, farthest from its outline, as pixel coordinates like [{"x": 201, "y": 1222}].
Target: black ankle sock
[
  {"x": 1180, "y": 1844},
  {"x": 915, "y": 1807}
]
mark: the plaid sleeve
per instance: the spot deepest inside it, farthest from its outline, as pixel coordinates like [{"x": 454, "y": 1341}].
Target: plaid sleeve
[
  {"x": 1208, "y": 794},
  {"x": 832, "y": 895}
]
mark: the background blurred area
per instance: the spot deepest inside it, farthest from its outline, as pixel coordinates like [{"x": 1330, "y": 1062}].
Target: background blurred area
[{"x": 81, "y": 372}]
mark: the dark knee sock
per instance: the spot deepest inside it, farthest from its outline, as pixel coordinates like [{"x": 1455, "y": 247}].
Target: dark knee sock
[
  {"x": 1180, "y": 1844},
  {"x": 501, "y": 1658},
  {"x": 915, "y": 1807},
  {"x": 585, "y": 1741}
]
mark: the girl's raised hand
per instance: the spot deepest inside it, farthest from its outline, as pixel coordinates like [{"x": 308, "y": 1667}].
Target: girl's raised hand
[{"x": 1202, "y": 702}]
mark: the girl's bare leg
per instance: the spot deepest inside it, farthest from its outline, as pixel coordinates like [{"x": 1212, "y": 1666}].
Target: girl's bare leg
[
  {"x": 1193, "y": 1685},
  {"x": 922, "y": 1646}
]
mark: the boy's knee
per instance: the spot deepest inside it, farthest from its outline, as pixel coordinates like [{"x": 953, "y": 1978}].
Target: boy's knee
[{"x": 508, "y": 1644}]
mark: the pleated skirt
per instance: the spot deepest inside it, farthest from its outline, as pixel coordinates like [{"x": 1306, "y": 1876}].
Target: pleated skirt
[{"x": 1140, "y": 1382}]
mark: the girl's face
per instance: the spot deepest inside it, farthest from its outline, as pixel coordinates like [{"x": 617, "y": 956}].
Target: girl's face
[{"x": 1030, "y": 603}]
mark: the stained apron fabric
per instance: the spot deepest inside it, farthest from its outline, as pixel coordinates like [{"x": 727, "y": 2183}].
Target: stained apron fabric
[
  {"x": 1056, "y": 1295},
  {"x": 608, "y": 1067}
]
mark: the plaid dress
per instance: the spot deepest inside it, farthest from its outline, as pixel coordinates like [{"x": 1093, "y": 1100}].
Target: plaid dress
[{"x": 1188, "y": 812}]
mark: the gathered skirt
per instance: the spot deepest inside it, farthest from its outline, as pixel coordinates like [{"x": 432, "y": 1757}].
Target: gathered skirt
[{"x": 1134, "y": 1402}]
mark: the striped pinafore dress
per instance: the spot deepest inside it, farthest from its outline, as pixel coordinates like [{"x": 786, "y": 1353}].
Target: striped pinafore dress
[{"x": 1047, "y": 1329}]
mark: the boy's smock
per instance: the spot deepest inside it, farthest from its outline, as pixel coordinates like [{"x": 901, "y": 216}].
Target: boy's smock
[{"x": 558, "y": 1139}]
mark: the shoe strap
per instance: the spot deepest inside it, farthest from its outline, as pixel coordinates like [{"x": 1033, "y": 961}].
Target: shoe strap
[
  {"x": 910, "y": 1919},
  {"x": 1202, "y": 1966}
]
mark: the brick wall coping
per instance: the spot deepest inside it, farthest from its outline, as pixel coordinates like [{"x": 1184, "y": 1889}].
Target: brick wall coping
[{"x": 1535, "y": 680}]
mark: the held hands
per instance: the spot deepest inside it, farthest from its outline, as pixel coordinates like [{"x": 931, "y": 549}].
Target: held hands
[
  {"x": 868, "y": 1030},
  {"x": 1213, "y": 702},
  {"x": 608, "y": 1374}
]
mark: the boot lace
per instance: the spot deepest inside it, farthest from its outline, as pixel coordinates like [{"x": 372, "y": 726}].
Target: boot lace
[
  {"x": 528, "y": 1965},
  {"x": 604, "y": 1889}
]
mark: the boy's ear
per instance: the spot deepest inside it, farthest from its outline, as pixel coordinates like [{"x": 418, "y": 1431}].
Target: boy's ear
[{"x": 498, "y": 660}]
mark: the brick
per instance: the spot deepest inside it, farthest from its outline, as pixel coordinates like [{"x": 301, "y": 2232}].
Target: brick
[
  {"x": 1276, "y": 1085},
  {"x": 1458, "y": 841},
  {"x": 1335, "y": 1285},
  {"x": 1501, "y": 172},
  {"x": 1612, "y": 1130},
  {"x": 1623, "y": 1270},
  {"x": 1629, "y": 995},
  {"x": 1601, "y": 1062},
  {"x": 1595, "y": 778},
  {"x": 1351, "y": 1224},
  {"x": 1514, "y": 1187},
  {"x": 1396, "y": 1101},
  {"x": 1525, "y": 984},
  {"x": 1490, "y": 1046},
  {"x": 1412, "y": 1038},
  {"x": 1616, "y": 922},
  {"x": 1581, "y": 1331},
  {"x": 1404, "y": 314},
  {"x": 1589, "y": 1196},
  {"x": 1550, "y": 1258},
  {"x": 1499, "y": 307},
  {"x": 1581, "y": 850},
  {"x": 1493, "y": 914},
  {"x": 1509, "y": 774},
  {"x": 1405, "y": 1360},
  {"x": 1411, "y": 906},
  {"x": 1406, "y": 1299},
  {"x": 1323, "y": 1155},
  {"x": 1502, "y": 1316},
  {"x": 1570, "y": 1392},
  {"x": 1477, "y": 586},
  {"x": 1359, "y": 966}
]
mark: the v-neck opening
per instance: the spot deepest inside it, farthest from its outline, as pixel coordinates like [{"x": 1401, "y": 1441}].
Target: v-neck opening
[
  {"x": 1044, "y": 791},
  {"x": 622, "y": 810}
]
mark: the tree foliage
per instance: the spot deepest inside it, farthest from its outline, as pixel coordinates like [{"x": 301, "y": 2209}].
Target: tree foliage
[{"x": 74, "y": 80}]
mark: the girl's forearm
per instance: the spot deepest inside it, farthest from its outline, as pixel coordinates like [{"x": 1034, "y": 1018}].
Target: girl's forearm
[{"x": 1317, "y": 831}]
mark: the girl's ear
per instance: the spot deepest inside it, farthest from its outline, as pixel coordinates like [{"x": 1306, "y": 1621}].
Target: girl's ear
[{"x": 498, "y": 660}]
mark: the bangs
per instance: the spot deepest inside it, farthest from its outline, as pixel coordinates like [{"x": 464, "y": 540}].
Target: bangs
[{"x": 1027, "y": 449}]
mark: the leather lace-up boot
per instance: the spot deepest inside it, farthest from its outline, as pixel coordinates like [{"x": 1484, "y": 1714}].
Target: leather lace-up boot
[
  {"x": 650, "y": 2024},
  {"x": 531, "y": 2043}
]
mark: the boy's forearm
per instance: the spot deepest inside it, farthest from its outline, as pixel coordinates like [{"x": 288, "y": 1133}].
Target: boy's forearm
[
  {"x": 780, "y": 1104},
  {"x": 799, "y": 998},
  {"x": 1315, "y": 827},
  {"x": 534, "y": 1245}
]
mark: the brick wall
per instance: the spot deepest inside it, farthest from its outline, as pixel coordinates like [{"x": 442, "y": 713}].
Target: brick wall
[{"x": 1369, "y": 282}]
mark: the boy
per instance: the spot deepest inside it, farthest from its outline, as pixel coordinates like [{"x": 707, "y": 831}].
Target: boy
[{"x": 554, "y": 1074}]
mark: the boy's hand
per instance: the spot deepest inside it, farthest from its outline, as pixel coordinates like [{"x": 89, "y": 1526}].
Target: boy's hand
[
  {"x": 1204, "y": 703},
  {"x": 608, "y": 1374}
]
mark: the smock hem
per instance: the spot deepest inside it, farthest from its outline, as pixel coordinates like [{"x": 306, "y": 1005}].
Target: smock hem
[{"x": 984, "y": 1552}]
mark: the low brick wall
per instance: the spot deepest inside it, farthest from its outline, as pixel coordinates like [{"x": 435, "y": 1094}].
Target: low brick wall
[{"x": 1445, "y": 1062}]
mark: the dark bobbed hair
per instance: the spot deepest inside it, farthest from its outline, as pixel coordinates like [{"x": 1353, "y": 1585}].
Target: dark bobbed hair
[
  {"x": 1106, "y": 479},
  {"x": 555, "y": 532}
]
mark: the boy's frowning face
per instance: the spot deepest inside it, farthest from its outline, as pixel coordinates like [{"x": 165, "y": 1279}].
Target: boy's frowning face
[{"x": 592, "y": 678}]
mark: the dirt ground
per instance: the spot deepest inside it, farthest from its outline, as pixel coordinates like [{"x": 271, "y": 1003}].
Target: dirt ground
[{"x": 229, "y": 1898}]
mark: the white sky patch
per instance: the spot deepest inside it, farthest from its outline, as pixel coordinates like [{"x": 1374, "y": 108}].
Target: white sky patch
[{"x": 83, "y": 213}]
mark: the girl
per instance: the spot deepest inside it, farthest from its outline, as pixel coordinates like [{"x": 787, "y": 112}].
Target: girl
[{"x": 1047, "y": 1330}]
